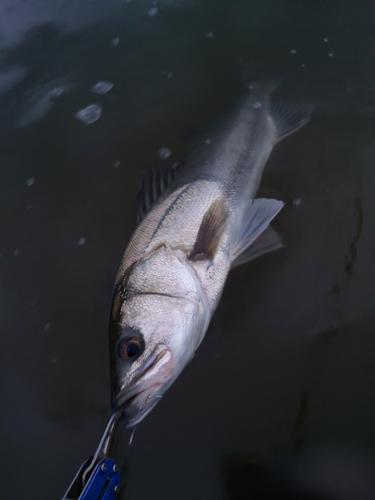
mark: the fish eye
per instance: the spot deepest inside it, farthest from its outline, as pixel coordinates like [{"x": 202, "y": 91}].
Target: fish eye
[{"x": 131, "y": 347}]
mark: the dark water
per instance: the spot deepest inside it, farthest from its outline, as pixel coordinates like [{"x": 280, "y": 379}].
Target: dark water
[{"x": 279, "y": 400}]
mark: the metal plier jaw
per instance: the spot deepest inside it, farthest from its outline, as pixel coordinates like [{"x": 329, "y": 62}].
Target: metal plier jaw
[{"x": 99, "y": 476}]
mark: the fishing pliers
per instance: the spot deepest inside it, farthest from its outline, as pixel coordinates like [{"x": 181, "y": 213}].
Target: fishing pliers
[{"x": 98, "y": 477}]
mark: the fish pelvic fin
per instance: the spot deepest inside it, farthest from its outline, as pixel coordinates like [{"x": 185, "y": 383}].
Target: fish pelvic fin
[
  {"x": 213, "y": 226},
  {"x": 255, "y": 237},
  {"x": 287, "y": 118},
  {"x": 268, "y": 241}
]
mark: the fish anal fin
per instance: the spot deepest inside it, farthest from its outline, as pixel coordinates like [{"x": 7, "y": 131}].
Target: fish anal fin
[
  {"x": 268, "y": 241},
  {"x": 155, "y": 182},
  {"x": 212, "y": 228},
  {"x": 287, "y": 118},
  {"x": 256, "y": 219}
]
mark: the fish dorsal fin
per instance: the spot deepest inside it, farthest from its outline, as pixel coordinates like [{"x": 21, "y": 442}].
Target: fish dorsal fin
[
  {"x": 287, "y": 118},
  {"x": 155, "y": 182},
  {"x": 257, "y": 217},
  {"x": 212, "y": 228}
]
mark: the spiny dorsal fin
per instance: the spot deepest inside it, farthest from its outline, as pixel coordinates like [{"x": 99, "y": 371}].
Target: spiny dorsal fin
[
  {"x": 287, "y": 118},
  {"x": 155, "y": 182},
  {"x": 210, "y": 232}
]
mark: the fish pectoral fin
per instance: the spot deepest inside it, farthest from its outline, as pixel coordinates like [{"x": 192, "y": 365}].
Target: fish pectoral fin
[
  {"x": 268, "y": 241},
  {"x": 287, "y": 118},
  {"x": 155, "y": 182},
  {"x": 213, "y": 226},
  {"x": 257, "y": 217}
]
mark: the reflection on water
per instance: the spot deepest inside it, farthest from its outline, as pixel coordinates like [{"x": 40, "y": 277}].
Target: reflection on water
[{"x": 279, "y": 398}]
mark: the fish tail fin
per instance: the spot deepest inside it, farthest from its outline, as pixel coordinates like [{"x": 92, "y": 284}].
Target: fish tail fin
[{"x": 287, "y": 118}]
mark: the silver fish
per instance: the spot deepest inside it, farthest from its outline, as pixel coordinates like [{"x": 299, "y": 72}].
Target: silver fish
[{"x": 195, "y": 226}]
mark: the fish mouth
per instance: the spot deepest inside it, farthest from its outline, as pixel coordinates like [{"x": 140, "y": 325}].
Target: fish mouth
[{"x": 143, "y": 394}]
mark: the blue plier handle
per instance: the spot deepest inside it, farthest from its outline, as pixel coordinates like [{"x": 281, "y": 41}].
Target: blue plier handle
[{"x": 98, "y": 477}]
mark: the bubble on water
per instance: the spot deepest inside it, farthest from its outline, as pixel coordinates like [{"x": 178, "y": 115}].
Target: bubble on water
[
  {"x": 257, "y": 104},
  {"x": 90, "y": 114},
  {"x": 302, "y": 65},
  {"x": 117, "y": 163},
  {"x": 330, "y": 54},
  {"x": 46, "y": 326},
  {"x": 293, "y": 51},
  {"x": 16, "y": 252},
  {"x": 251, "y": 85},
  {"x": 102, "y": 87},
  {"x": 57, "y": 91},
  {"x": 208, "y": 141},
  {"x": 30, "y": 181},
  {"x": 210, "y": 34},
  {"x": 152, "y": 12},
  {"x": 175, "y": 164},
  {"x": 170, "y": 74},
  {"x": 325, "y": 40},
  {"x": 115, "y": 41},
  {"x": 81, "y": 241},
  {"x": 164, "y": 153},
  {"x": 296, "y": 203}
]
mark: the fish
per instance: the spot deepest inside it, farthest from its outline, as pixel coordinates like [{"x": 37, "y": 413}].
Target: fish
[{"x": 195, "y": 224}]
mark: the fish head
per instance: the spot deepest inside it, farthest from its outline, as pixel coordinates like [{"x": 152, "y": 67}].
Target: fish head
[{"x": 159, "y": 317}]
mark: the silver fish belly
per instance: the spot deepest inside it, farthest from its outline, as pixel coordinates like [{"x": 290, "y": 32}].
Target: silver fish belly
[{"x": 196, "y": 225}]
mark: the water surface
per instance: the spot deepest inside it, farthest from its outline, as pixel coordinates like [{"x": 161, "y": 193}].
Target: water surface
[{"x": 279, "y": 400}]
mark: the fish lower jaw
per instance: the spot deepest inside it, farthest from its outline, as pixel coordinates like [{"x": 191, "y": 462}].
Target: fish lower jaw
[
  {"x": 138, "y": 405},
  {"x": 139, "y": 399},
  {"x": 143, "y": 397}
]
